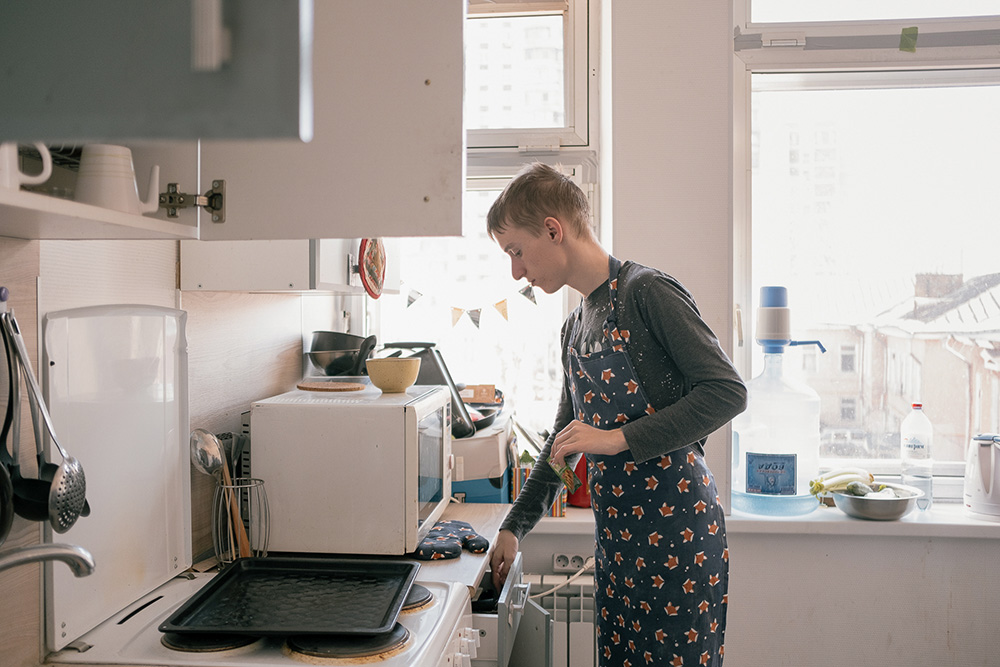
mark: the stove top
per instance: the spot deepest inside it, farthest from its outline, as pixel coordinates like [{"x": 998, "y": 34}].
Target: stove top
[{"x": 435, "y": 615}]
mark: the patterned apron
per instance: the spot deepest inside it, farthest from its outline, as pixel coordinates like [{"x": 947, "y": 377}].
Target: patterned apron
[{"x": 662, "y": 564}]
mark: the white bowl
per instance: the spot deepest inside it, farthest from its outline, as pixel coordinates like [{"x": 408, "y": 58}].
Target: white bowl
[{"x": 878, "y": 509}]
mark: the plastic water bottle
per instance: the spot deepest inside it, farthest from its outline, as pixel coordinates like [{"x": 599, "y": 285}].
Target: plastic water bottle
[{"x": 916, "y": 436}]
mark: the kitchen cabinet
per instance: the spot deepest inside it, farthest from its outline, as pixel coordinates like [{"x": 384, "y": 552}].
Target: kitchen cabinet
[
  {"x": 114, "y": 70},
  {"x": 388, "y": 153},
  {"x": 387, "y": 156},
  {"x": 282, "y": 265}
]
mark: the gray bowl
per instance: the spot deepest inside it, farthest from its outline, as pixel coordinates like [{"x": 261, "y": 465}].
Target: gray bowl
[
  {"x": 878, "y": 509},
  {"x": 334, "y": 362}
]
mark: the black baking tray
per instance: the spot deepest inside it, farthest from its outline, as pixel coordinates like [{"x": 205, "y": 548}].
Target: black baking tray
[{"x": 279, "y": 596}]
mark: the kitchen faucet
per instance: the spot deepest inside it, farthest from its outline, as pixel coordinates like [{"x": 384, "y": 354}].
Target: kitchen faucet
[{"x": 77, "y": 558}]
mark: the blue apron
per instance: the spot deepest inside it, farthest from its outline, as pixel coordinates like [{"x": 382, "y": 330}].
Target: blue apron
[{"x": 662, "y": 564}]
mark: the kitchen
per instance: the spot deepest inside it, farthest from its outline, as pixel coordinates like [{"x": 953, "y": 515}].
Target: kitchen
[{"x": 787, "y": 576}]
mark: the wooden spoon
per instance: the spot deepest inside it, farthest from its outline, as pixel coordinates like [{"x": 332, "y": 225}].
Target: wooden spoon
[{"x": 241, "y": 531}]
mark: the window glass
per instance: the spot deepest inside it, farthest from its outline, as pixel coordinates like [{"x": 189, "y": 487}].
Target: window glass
[
  {"x": 458, "y": 293},
  {"x": 877, "y": 207},
  {"x": 785, "y": 11},
  {"x": 514, "y": 72}
]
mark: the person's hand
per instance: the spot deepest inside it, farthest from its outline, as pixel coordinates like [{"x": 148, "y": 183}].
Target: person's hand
[
  {"x": 580, "y": 438},
  {"x": 502, "y": 557}
]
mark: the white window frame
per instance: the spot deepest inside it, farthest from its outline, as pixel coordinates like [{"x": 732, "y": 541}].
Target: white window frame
[
  {"x": 848, "y": 47},
  {"x": 580, "y": 44}
]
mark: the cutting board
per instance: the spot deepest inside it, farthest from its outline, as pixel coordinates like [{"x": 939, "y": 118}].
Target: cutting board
[{"x": 115, "y": 379}]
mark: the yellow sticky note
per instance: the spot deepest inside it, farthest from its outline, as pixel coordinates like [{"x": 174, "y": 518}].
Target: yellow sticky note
[{"x": 908, "y": 40}]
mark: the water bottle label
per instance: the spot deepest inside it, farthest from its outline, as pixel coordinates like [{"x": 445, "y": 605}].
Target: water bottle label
[
  {"x": 771, "y": 474},
  {"x": 914, "y": 444}
]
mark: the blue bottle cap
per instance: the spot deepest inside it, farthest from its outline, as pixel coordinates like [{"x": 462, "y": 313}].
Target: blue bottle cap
[{"x": 773, "y": 297}]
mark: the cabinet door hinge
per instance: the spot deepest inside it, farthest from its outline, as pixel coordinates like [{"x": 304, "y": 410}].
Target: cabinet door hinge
[{"x": 213, "y": 201}]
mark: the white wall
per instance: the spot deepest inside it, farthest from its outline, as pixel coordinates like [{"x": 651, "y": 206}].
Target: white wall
[{"x": 796, "y": 599}]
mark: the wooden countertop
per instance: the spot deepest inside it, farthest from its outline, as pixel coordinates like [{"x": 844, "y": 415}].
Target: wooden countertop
[{"x": 469, "y": 568}]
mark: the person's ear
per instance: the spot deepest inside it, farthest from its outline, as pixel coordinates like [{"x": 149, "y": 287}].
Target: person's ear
[{"x": 553, "y": 229}]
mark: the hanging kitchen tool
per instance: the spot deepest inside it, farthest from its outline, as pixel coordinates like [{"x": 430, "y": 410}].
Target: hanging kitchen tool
[
  {"x": 6, "y": 486},
  {"x": 67, "y": 495},
  {"x": 371, "y": 266},
  {"x": 6, "y": 503},
  {"x": 31, "y": 496}
]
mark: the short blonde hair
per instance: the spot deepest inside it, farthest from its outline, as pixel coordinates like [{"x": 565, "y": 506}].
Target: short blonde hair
[{"x": 539, "y": 191}]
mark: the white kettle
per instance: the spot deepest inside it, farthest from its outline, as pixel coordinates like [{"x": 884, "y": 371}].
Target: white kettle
[{"x": 982, "y": 476}]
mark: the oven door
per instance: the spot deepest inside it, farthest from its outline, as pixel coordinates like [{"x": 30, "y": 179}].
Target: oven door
[{"x": 519, "y": 634}]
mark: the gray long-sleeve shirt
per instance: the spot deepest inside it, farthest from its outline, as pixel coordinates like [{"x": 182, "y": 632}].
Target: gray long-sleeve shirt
[{"x": 685, "y": 373}]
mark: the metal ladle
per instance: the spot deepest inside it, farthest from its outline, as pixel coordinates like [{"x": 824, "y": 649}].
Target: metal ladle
[
  {"x": 68, "y": 492},
  {"x": 208, "y": 457}
]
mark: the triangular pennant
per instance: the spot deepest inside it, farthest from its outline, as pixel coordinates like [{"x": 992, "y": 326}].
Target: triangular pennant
[
  {"x": 456, "y": 315},
  {"x": 474, "y": 315},
  {"x": 501, "y": 307},
  {"x": 414, "y": 295},
  {"x": 529, "y": 293}
]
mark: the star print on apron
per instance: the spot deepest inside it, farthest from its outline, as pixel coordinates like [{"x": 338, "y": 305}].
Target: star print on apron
[{"x": 662, "y": 563}]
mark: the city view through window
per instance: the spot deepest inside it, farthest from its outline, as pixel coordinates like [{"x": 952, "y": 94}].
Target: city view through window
[{"x": 879, "y": 210}]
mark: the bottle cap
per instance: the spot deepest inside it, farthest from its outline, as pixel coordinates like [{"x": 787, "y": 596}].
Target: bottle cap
[{"x": 917, "y": 406}]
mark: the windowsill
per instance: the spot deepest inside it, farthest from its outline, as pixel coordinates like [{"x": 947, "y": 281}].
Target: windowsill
[{"x": 947, "y": 520}]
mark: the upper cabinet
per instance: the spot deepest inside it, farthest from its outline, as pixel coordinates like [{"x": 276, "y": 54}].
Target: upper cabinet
[
  {"x": 110, "y": 71},
  {"x": 386, "y": 156}
]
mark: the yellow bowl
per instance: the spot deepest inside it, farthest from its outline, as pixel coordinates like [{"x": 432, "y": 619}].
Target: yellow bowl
[{"x": 393, "y": 374}]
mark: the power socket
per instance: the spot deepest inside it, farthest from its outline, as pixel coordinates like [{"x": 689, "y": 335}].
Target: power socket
[{"x": 567, "y": 562}]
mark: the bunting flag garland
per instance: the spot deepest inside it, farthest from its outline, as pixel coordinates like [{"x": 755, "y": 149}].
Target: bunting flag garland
[
  {"x": 529, "y": 293},
  {"x": 475, "y": 314}
]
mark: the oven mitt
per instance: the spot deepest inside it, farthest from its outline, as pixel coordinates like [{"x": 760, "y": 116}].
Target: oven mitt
[{"x": 446, "y": 539}]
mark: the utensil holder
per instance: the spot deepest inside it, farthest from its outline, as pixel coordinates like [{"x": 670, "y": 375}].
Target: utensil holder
[{"x": 248, "y": 496}]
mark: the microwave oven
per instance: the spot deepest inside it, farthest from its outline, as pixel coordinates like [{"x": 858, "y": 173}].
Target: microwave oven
[{"x": 357, "y": 472}]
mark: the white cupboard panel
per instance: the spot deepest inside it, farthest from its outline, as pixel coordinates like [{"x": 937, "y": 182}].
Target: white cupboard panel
[{"x": 387, "y": 156}]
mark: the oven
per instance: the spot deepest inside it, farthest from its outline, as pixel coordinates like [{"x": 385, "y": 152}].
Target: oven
[
  {"x": 140, "y": 529},
  {"x": 434, "y": 629}
]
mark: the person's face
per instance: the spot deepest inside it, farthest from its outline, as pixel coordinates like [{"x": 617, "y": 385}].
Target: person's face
[{"x": 535, "y": 257}]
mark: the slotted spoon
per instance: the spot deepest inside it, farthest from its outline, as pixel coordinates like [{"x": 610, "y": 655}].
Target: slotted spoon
[{"x": 68, "y": 491}]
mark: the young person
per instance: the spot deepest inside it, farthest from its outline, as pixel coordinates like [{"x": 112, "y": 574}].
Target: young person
[{"x": 645, "y": 383}]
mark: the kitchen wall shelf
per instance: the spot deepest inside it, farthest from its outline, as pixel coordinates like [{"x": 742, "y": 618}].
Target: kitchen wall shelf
[{"x": 30, "y": 215}]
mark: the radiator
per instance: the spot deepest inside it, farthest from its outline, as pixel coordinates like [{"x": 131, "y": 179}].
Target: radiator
[{"x": 572, "y": 610}]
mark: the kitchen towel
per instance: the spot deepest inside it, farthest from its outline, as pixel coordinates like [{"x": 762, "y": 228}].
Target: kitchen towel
[{"x": 446, "y": 540}]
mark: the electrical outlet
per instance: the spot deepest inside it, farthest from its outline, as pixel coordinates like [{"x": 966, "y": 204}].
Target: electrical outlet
[{"x": 567, "y": 562}]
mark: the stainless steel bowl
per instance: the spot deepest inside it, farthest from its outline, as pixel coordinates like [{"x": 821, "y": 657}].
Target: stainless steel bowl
[
  {"x": 878, "y": 509},
  {"x": 334, "y": 362}
]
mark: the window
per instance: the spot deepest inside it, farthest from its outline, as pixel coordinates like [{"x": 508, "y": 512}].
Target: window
[
  {"x": 873, "y": 199},
  {"x": 847, "y": 358},
  {"x": 458, "y": 293},
  {"x": 529, "y": 68}
]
